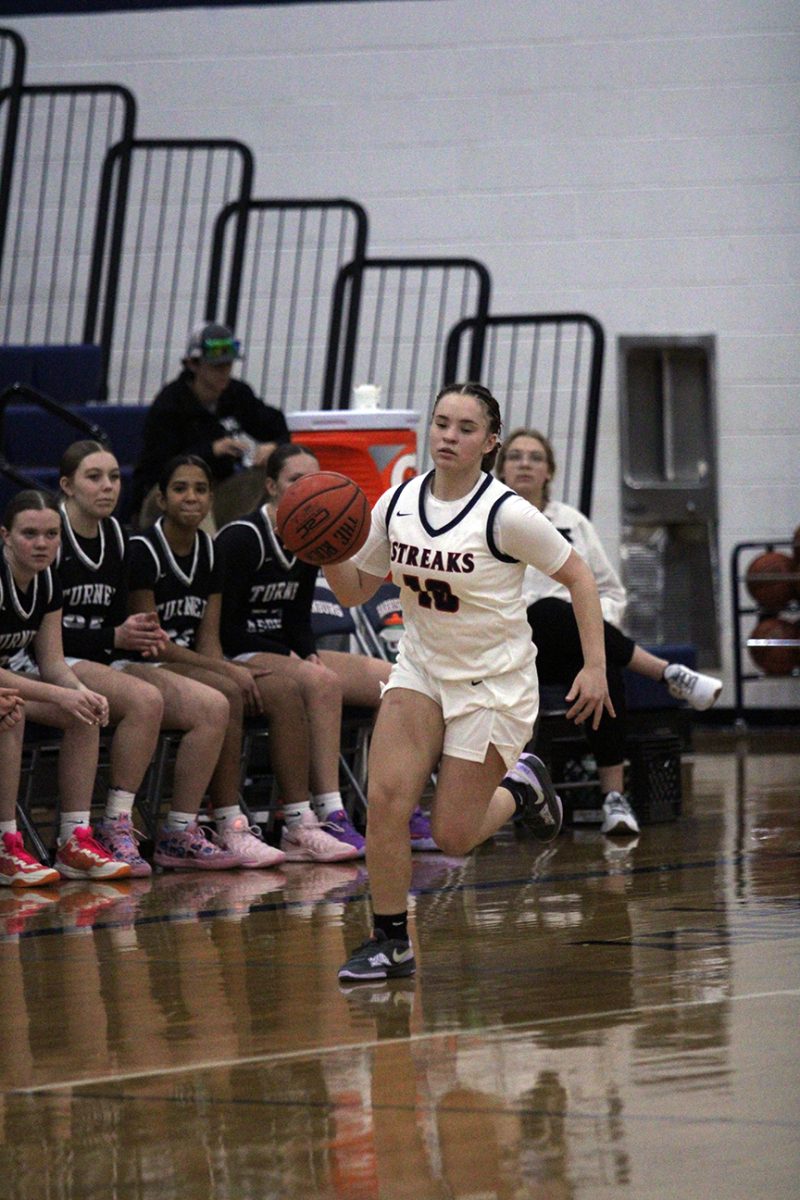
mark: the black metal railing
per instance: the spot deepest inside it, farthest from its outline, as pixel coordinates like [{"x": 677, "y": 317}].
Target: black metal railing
[
  {"x": 20, "y": 392},
  {"x": 389, "y": 325},
  {"x": 546, "y": 370},
  {"x": 278, "y": 296},
  {"x": 12, "y": 76},
  {"x": 62, "y": 136},
  {"x": 151, "y": 256}
]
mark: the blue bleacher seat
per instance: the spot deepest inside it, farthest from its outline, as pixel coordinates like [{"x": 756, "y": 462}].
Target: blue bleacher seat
[
  {"x": 34, "y": 441},
  {"x": 70, "y": 374}
]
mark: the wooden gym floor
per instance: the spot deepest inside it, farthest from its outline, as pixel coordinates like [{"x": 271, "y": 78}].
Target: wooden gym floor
[{"x": 591, "y": 1020}]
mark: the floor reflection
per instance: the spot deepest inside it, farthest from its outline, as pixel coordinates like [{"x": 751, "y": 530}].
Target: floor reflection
[{"x": 595, "y": 1016}]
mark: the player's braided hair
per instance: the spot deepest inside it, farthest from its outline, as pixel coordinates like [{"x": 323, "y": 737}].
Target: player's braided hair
[{"x": 479, "y": 392}]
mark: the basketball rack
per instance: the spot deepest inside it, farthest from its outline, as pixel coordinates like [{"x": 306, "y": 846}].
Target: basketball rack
[{"x": 744, "y": 607}]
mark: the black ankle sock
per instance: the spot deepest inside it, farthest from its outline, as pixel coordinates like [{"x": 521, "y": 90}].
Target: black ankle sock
[
  {"x": 519, "y": 791},
  {"x": 393, "y": 925}
]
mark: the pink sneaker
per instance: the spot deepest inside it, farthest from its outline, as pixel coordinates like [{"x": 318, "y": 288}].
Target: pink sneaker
[
  {"x": 191, "y": 849},
  {"x": 81, "y": 857},
  {"x": 80, "y": 904},
  {"x": 118, "y": 836},
  {"x": 246, "y": 842},
  {"x": 18, "y": 906},
  {"x": 20, "y": 869},
  {"x": 307, "y": 841}
]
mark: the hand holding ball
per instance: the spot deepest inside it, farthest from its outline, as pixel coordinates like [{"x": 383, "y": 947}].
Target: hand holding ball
[{"x": 323, "y": 518}]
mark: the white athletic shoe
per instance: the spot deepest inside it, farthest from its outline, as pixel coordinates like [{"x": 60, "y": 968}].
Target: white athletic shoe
[
  {"x": 246, "y": 842},
  {"x": 618, "y": 816},
  {"x": 699, "y": 691}
]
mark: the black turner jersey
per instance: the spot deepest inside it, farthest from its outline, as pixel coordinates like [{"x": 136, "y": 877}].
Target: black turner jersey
[
  {"x": 93, "y": 575},
  {"x": 180, "y": 585},
  {"x": 266, "y": 592},
  {"x": 21, "y": 613}
]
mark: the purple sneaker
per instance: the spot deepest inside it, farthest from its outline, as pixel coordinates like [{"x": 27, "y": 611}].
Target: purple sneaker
[
  {"x": 339, "y": 826},
  {"x": 192, "y": 849},
  {"x": 118, "y": 837},
  {"x": 419, "y": 828}
]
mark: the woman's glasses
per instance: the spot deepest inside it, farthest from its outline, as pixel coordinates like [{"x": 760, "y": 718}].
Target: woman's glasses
[{"x": 532, "y": 456}]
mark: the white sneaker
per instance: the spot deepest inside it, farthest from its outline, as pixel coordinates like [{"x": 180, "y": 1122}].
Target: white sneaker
[
  {"x": 699, "y": 691},
  {"x": 247, "y": 844},
  {"x": 618, "y": 816},
  {"x": 307, "y": 841}
]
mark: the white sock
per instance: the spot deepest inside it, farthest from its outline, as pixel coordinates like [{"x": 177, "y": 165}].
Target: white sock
[
  {"x": 223, "y": 815},
  {"x": 293, "y": 813},
  {"x": 70, "y": 822},
  {"x": 8, "y": 827},
  {"x": 180, "y": 820},
  {"x": 327, "y": 803},
  {"x": 119, "y": 803}
]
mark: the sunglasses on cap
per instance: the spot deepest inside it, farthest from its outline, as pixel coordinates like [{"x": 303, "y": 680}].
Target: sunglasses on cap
[{"x": 218, "y": 348}]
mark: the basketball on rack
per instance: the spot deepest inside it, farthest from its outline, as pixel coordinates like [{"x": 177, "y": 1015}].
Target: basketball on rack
[
  {"x": 323, "y": 518},
  {"x": 775, "y": 660},
  {"x": 766, "y": 583}
]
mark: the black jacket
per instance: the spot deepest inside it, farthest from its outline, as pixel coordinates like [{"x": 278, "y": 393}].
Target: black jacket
[{"x": 177, "y": 423}]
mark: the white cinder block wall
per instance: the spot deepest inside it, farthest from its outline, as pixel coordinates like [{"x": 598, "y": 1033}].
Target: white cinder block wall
[{"x": 637, "y": 160}]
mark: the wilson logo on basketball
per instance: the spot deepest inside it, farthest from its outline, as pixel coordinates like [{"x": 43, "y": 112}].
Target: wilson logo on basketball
[
  {"x": 323, "y": 518},
  {"x": 311, "y": 521}
]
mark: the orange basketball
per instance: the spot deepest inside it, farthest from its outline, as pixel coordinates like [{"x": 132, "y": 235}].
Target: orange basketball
[
  {"x": 765, "y": 582},
  {"x": 776, "y": 660},
  {"x": 323, "y": 518}
]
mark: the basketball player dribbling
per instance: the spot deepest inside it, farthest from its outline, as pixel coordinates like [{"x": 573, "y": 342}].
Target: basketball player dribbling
[{"x": 463, "y": 696}]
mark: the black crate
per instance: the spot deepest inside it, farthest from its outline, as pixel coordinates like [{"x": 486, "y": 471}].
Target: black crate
[
  {"x": 574, "y": 774},
  {"x": 654, "y": 785}
]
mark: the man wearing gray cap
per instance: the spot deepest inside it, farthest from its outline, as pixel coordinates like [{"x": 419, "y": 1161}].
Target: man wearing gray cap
[{"x": 207, "y": 412}]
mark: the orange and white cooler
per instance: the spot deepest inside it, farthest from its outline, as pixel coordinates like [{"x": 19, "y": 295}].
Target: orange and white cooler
[{"x": 376, "y": 448}]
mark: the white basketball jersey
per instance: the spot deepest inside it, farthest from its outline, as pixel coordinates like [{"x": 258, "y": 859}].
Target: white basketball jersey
[{"x": 462, "y": 597}]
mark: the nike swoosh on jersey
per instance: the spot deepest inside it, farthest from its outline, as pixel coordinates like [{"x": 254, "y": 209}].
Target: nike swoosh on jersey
[{"x": 403, "y": 514}]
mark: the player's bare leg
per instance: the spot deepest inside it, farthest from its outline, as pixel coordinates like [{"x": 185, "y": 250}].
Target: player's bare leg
[
  {"x": 224, "y": 785},
  {"x": 202, "y": 714},
  {"x": 290, "y": 743},
  {"x": 77, "y": 757},
  {"x": 321, "y": 694},
  {"x": 396, "y": 782},
  {"x": 360, "y": 676},
  {"x": 136, "y": 710},
  {"x": 469, "y": 806}
]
